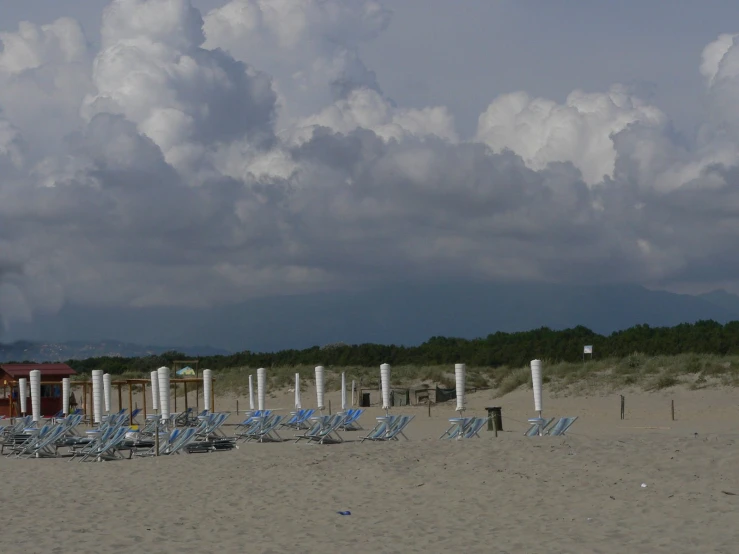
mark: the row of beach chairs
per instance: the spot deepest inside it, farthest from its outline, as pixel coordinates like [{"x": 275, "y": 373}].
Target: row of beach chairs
[
  {"x": 25, "y": 439},
  {"x": 541, "y": 427},
  {"x": 265, "y": 426}
]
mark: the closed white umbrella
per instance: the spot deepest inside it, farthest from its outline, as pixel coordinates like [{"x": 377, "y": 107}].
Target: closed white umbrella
[
  {"x": 297, "y": 392},
  {"x": 320, "y": 387},
  {"x": 385, "y": 381}
]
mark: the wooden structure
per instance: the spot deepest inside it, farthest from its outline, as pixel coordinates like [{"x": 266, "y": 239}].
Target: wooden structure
[
  {"x": 51, "y": 387},
  {"x": 130, "y": 384}
]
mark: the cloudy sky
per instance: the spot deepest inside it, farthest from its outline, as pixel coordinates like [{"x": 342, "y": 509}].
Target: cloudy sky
[{"x": 177, "y": 153}]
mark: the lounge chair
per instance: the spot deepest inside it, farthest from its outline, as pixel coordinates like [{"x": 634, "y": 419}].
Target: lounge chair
[
  {"x": 561, "y": 426},
  {"x": 538, "y": 426},
  {"x": 351, "y": 420},
  {"x": 108, "y": 449},
  {"x": 324, "y": 430},
  {"x": 458, "y": 427},
  {"x": 266, "y": 430},
  {"x": 473, "y": 429},
  {"x": 393, "y": 428}
]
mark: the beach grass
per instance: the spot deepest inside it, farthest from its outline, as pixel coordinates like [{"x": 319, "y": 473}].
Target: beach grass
[{"x": 639, "y": 371}]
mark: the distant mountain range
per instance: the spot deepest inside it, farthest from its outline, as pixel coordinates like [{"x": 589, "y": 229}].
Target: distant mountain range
[
  {"x": 399, "y": 314},
  {"x": 76, "y": 350}
]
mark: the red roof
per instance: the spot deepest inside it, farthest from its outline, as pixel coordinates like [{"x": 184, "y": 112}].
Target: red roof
[{"x": 22, "y": 370}]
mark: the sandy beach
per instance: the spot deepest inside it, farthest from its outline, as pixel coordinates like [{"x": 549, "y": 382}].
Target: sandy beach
[{"x": 578, "y": 493}]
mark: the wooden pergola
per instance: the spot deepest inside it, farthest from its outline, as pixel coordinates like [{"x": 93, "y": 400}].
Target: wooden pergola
[{"x": 130, "y": 383}]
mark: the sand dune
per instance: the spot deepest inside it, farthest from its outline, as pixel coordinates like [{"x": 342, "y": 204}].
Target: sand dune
[{"x": 579, "y": 493}]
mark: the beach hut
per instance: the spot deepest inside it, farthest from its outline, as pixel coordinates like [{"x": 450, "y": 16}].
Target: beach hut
[{"x": 51, "y": 386}]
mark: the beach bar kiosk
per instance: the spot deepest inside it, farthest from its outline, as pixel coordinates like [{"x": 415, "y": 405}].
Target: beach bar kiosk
[{"x": 51, "y": 387}]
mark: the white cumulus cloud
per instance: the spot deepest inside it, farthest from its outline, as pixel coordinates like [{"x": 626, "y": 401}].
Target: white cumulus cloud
[{"x": 201, "y": 160}]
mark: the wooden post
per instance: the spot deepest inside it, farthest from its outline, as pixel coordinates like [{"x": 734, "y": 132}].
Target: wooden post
[
  {"x": 120, "y": 397},
  {"x": 429, "y": 403},
  {"x": 175, "y": 397},
  {"x": 672, "y": 402},
  {"x": 130, "y": 403},
  {"x": 329, "y": 407},
  {"x": 143, "y": 390},
  {"x": 495, "y": 426},
  {"x": 237, "y": 406},
  {"x": 623, "y": 407},
  {"x": 84, "y": 398},
  {"x": 212, "y": 395},
  {"x": 184, "y": 385}
]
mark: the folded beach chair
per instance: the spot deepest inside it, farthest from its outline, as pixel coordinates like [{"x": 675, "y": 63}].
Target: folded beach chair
[
  {"x": 538, "y": 425},
  {"x": 561, "y": 426}
]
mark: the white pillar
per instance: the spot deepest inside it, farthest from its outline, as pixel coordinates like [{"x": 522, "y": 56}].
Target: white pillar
[
  {"x": 261, "y": 387},
  {"x": 163, "y": 375},
  {"x": 35, "y": 378},
  {"x": 385, "y": 384},
  {"x": 320, "y": 387},
  {"x": 97, "y": 395},
  {"x": 207, "y": 388},
  {"x": 65, "y": 396}
]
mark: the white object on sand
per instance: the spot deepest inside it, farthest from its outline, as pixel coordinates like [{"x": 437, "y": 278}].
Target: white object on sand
[
  {"x": 343, "y": 391},
  {"x": 106, "y": 392},
  {"x": 207, "y": 389},
  {"x": 35, "y": 378},
  {"x": 163, "y": 374},
  {"x": 297, "y": 392},
  {"x": 536, "y": 382},
  {"x": 385, "y": 382},
  {"x": 261, "y": 386},
  {"x": 97, "y": 395},
  {"x": 460, "y": 376},
  {"x": 320, "y": 387},
  {"x": 155, "y": 390},
  {"x": 251, "y": 393},
  {"x": 23, "y": 394},
  {"x": 65, "y": 396}
]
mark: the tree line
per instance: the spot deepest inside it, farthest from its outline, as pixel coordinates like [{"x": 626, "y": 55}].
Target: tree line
[{"x": 497, "y": 349}]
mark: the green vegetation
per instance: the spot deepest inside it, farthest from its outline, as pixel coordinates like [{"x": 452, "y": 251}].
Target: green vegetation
[
  {"x": 639, "y": 371},
  {"x": 697, "y": 355},
  {"x": 494, "y": 351}
]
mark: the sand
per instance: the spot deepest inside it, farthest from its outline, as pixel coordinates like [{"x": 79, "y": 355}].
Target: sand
[{"x": 579, "y": 493}]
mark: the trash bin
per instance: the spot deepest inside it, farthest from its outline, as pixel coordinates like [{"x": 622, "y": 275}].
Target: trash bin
[
  {"x": 365, "y": 400},
  {"x": 495, "y": 413}
]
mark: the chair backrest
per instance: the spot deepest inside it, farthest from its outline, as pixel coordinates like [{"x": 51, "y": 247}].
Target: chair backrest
[
  {"x": 561, "y": 426},
  {"x": 474, "y": 427},
  {"x": 533, "y": 431}
]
